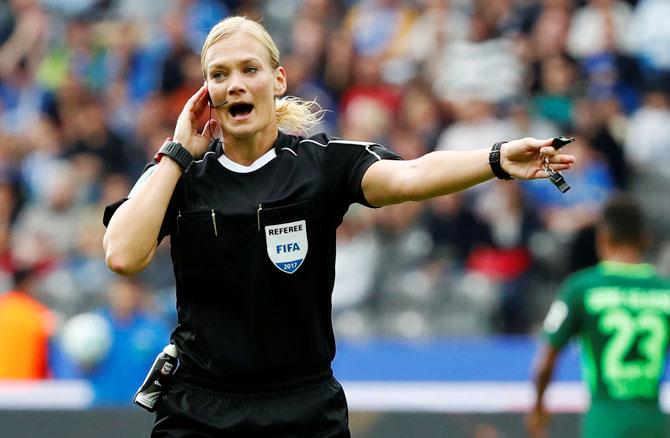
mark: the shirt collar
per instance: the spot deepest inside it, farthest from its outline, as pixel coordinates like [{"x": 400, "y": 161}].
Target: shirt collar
[
  {"x": 240, "y": 168},
  {"x": 282, "y": 141},
  {"x": 628, "y": 269}
]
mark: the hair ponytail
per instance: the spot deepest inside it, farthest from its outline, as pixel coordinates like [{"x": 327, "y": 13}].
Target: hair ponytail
[{"x": 298, "y": 116}]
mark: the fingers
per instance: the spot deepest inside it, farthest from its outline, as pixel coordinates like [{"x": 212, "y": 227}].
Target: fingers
[
  {"x": 197, "y": 95},
  {"x": 557, "y": 163},
  {"x": 200, "y": 102},
  {"x": 195, "y": 103},
  {"x": 559, "y": 167},
  {"x": 561, "y": 159},
  {"x": 541, "y": 173},
  {"x": 212, "y": 128}
]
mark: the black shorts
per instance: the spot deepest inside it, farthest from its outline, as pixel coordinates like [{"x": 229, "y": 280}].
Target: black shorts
[{"x": 310, "y": 407}]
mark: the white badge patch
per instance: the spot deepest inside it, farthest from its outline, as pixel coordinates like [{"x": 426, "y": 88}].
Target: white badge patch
[{"x": 287, "y": 245}]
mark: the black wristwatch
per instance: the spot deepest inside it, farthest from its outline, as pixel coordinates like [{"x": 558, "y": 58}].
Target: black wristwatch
[
  {"x": 175, "y": 151},
  {"x": 494, "y": 162}
]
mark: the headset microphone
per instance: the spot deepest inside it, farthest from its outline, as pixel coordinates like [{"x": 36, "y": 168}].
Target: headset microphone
[
  {"x": 211, "y": 105},
  {"x": 209, "y": 98}
]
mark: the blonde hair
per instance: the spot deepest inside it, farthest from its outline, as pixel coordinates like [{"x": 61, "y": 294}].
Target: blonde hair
[{"x": 294, "y": 114}]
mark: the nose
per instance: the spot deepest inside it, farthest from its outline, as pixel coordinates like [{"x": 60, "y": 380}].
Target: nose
[{"x": 235, "y": 84}]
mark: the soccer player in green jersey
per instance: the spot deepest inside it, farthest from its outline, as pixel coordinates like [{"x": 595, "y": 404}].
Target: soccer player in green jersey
[{"x": 620, "y": 308}]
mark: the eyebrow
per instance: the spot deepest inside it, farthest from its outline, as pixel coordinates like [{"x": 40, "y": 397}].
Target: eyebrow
[{"x": 242, "y": 61}]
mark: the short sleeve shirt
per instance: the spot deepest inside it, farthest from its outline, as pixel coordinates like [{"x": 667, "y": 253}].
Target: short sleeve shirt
[{"x": 253, "y": 250}]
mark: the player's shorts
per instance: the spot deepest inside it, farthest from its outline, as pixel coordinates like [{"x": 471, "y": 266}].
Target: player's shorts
[
  {"x": 624, "y": 419},
  {"x": 310, "y": 406}
]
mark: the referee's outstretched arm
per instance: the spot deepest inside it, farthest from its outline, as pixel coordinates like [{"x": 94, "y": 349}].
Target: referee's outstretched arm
[{"x": 440, "y": 173}]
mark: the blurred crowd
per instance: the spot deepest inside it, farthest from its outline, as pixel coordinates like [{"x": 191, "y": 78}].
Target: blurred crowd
[{"x": 89, "y": 89}]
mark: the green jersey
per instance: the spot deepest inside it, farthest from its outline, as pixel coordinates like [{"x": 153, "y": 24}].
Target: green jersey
[{"x": 622, "y": 313}]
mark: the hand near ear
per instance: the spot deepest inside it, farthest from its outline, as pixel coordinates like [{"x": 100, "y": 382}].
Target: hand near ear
[{"x": 185, "y": 131}]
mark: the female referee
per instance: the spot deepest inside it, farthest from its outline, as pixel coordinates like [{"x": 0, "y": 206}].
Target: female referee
[{"x": 252, "y": 223}]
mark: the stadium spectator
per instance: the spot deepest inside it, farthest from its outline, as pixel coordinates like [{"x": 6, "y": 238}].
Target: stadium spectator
[
  {"x": 507, "y": 260},
  {"x": 599, "y": 27},
  {"x": 463, "y": 66},
  {"x": 10, "y": 204},
  {"x": 22, "y": 99},
  {"x": 602, "y": 123},
  {"x": 27, "y": 326},
  {"x": 455, "y": 229},
  {"x": 647, "y": 143},
  {"x": 92, "y": 145},
  {"x": 649, "y": 40},
  {"x": 6, "y": 259},
  {"x": 550, "y": 30},
  {"x": 369, "y": 95},
  {"x": 379, "y": 27},
  {"x": 23, "y": 37},
  {"x": 619, "y": 308},
  {"x": 357, "y": 266},
  {"x": 558, "y": 89},
  {"x": 47, "y": 233},
  {"x": 439, "y": 23},
  {"x": 475, "y": 122},
  {"x": 420, "y": 113}
]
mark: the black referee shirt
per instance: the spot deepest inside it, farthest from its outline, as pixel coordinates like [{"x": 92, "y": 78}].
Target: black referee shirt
[{"x": 253, "y": 250}]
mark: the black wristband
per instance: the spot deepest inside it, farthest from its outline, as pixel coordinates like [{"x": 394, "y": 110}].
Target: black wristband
[
  {"x": 494, "y": 162},
  {"x": 177, "y": 152}
]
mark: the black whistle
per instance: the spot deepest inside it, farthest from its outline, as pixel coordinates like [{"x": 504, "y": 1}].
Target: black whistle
[
  {"x": 560, "y": 183},
  {"x": 559, "y": 142}
]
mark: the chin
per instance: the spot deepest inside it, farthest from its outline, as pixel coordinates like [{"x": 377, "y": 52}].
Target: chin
[{"x": 241, "y": 131}]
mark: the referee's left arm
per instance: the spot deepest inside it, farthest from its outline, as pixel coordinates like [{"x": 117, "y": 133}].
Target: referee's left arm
[
  {"x": 440, "y": 173},
  {"x": 437, "y": 173}
]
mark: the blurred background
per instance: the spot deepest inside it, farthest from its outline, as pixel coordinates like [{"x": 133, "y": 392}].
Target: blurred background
[{"x": 432, "y": 294}]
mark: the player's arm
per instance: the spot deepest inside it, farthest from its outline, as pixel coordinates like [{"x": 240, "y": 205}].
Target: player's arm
[
  {"x": 538, "y": 418},
  {"x": 563, "y": 321},
  {"x": 443, "y": 172}
]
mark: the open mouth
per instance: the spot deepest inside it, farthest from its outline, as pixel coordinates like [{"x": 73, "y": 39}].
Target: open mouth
[{"x": 240, "y": 109}]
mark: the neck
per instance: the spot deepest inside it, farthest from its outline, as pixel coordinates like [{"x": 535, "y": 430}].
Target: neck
[
  {"x": 246, "y": 150},
  {"x": 623, "y": 255}
]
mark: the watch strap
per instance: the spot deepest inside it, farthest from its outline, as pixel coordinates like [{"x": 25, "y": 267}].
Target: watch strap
[
  {"x": 177, "y": 152},
  {"x": 494, "y": 162}
]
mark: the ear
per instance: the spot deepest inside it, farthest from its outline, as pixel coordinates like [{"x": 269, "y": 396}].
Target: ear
[{"x": 280, "y": 81}]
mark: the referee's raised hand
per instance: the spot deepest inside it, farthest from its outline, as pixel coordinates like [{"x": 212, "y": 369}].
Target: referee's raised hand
[{"x": 186, "y": 130}]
